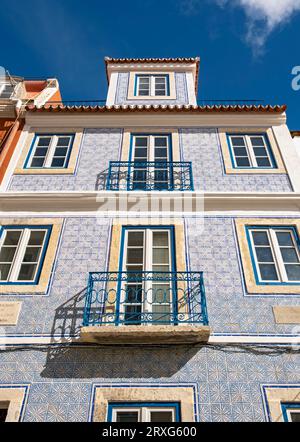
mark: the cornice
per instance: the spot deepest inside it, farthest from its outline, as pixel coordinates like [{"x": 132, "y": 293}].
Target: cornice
[
  {"x": 155, "y": 119},
  {"x": 129, "y": 203}
]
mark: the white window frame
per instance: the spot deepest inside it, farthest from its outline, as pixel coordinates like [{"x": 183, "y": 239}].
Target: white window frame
[
  {"x": 51, "y": 150},
  {"x": 152, "y": 85},
  {"x": 144, "y": 413},
  {"x": 250, "y": 151},
  {"x": 151, "y": 145},
  {"x": 20, "y": 252},
  {"x": 275, "y": 249},
  {"x": 147, "y": 266},
  {"x": 151, "y": 154}
]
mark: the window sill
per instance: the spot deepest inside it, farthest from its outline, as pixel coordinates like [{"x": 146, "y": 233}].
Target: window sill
[{"x": 145, "y": 334}]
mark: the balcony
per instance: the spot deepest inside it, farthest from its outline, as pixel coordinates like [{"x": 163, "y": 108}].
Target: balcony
[
  {"x": 145, "y": 308},
  {"x": 156, "y": 175}
]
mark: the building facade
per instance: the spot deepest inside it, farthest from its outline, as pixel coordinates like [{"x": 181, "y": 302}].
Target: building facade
[{"x": 150, "y": 257}]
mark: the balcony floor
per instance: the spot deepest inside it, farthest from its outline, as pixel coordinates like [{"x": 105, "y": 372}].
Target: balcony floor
[{"x": 145, "y": 334}]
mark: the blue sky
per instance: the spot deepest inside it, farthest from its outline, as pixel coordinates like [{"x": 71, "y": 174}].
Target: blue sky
[{"x": 247, "y": 47}]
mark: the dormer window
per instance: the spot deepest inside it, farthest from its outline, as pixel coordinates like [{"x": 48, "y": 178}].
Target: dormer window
[{"x": 152, "y": 85}]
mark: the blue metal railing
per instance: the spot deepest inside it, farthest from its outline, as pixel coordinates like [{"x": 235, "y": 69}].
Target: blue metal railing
[
  {"x": 140, "y": 298},
  {"x": 155, "y": 175}
]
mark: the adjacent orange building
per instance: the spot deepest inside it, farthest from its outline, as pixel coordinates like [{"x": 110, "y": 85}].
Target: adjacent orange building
[{"x": 15, "y": 93}]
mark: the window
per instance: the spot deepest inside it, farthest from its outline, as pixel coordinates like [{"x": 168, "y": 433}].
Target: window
[
  {"x": 291, "y": 412},
  {"x": 50, "y": 151},
  {"x": 6, "y": 91},
  {"x": 152, "y": 85},
  {"x": 250, "y": 151},
  {"x": 22, "y": 250},
  {"x": 141, "y": 412},
  {"x": 154, "y": 149},
  {"x": 147, "y": 250},
  {"x": 275, "y": 254},
  {"x": 3, "y": 411}
]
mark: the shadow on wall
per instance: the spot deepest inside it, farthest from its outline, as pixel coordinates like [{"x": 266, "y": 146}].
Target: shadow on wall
[
  {"x": 111, "y": 362},
  {"x": 101, "y": 180},
  {"x": 83, "y": 362}
]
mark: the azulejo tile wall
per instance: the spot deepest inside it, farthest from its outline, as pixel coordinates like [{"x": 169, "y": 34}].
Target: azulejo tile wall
[
  {"x": 98, "y": 147},
  {"x": 180, "y": 85},
  {"x": 227, "y": 380},
  {"x": 200, "y": 146},
  {"x": 84, "y": 246}
]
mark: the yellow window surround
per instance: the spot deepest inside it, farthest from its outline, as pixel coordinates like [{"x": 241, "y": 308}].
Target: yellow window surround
[
  {"x": 132, "y": 80},
  {"x": 276, "y": 395},
  {"x": 41, "y": 287},
  {"x": 229, "y": 169},
  {"x": 104, "y": 395},
  {"x": 21, "y": 170},
  {"x": 251, "y": 284}
]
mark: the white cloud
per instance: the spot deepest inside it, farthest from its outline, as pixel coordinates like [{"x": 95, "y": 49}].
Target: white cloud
[{"x": 263, "y": 16}]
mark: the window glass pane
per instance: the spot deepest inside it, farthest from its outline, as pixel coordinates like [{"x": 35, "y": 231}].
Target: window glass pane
[
  {"x": 238, "y": 141},
  {"x": 264, "y": 254},
  {"x": 293, "y": 272},
  {"x": 160, "y": 92},
  {"x": 160, "y": 239},
  {"x": 60, "y": 151},
  {"x": 161, "y": 256},
  {"x": 127, "y": 416},
  {"x": 44, "y": 141},
  {"x": 4, "y": 271},
  {"x": 242, "y": 162},
  {"x": 263, "y": 162},
  {"x": 12, "y": 237},
  {"x": 257, "y": 141},
  {"x": 161, "y": 153},
  {"x": 161, "y": 313},
  {"x": 133, "y": 293},
  {"x": 268, "y": 272},
  {"x": 135, "y": 256},
  {"x": 260, "y": 152},
  {"x": 295, "y": 417},
  {"x": 32, "y": 254},
  {"x": 160, "y": 268},
  {"x": 260, "y": 238},
  {"x": 37, "y": 162},
  {"x": 41, "y": 151},
  {"x": 3, "y": 414},
  {"x": 7, "y": 253},
  {"x": 140, "y": 152},
  {"x": 58, "y": 162},
  {"x": 284, "y": 239},
  {"x": 144, "y": 92},
  {"x": 36, "y": 237},
  {"x": 161, "y": 293},
  {"x": 240, "y": 151},
  {"x": 27, "y": 272},
  {"x": 135, "y": 238},
  {"x": 161, "y": 416},
  {"x": 141, "y": 141},
  {"x": 63, "y": 141},
  {"x": 289, "y": 255},
  {"x": 160, "y": 141}
]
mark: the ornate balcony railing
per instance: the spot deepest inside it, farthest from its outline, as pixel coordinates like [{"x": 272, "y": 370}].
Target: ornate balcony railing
[
  {"x": 150, "y": 175},
  {"x": 141, "y": 298}
]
